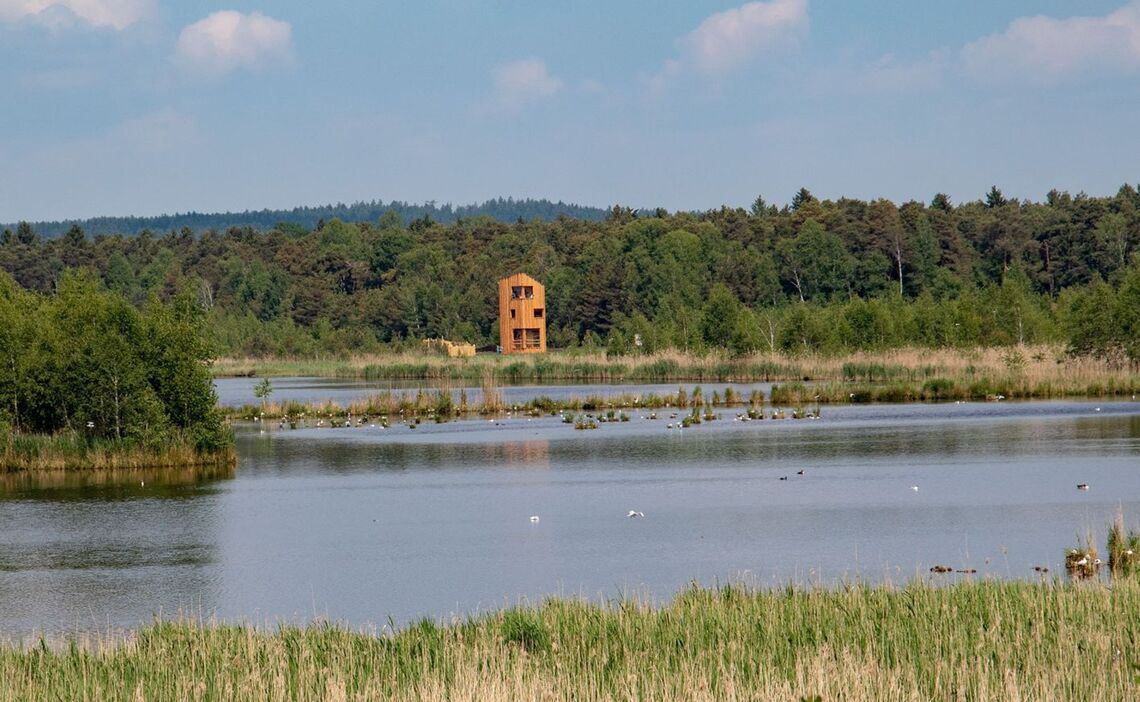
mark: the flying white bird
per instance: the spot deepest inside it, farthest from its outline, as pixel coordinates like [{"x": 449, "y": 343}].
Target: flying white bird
[
  {"x": 534, "y": 519},
  {"x": 634, "y": 513}
]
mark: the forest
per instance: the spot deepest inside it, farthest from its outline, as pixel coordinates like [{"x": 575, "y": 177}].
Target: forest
[
  {"x": 306, "y": 218},
  {"x": 828, "y": 276}
]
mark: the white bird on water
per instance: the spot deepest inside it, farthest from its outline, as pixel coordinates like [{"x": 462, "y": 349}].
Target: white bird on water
[
  {"x": 1083, "y": 562},
  {"x": 534, "y": 519},
  {"x": 634, "y": 513},
  {"x": 914, "y": 487}
]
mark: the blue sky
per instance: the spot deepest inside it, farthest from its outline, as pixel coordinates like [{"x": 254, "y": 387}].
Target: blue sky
[{"x": 152, "y": 106}]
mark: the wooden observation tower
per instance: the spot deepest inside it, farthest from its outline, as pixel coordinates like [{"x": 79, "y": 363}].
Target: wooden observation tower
[{"x": 522, "y": 314}]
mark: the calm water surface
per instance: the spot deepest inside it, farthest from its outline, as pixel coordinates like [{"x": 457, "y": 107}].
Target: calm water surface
[{"x": 360, "y": 525}]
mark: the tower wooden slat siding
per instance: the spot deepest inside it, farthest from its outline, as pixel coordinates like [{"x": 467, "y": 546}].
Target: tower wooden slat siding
[{"x": 522, "y": 314}]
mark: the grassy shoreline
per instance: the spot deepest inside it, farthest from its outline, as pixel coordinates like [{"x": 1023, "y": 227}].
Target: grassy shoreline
[
  {"x": 1034, "y": 363},
  {"x": 970, "y": 640},
  {"x": 21, "y": 453},
  {"x": 799, "y": 399}
]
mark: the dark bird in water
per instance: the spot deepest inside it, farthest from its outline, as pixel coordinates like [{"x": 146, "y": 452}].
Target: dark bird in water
[
  {"x": 1041, "y": 569},
  {"x": 800, "y": 471},
  {"x": 941, "y": 569},
  {"x": 1082, "y": 486},
  {"x": 783, "y": 477}
]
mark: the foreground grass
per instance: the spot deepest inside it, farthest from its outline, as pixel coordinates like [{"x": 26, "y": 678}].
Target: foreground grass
[
  {"x": 969, "y": 641},
  {"x": 71, "y": 452}
]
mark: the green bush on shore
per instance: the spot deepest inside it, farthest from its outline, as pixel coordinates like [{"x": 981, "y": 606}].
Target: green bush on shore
[{"x": 86, "y": 377}]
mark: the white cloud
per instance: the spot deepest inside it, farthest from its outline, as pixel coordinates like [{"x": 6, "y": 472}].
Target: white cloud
[
  {"x": 228, "y": 40},
  {"x": 727, "y": 39},
  {"x": 116, "y": 14},
  {"x": 520, "y": 83},
  {"x": 1046, "y": 48}
]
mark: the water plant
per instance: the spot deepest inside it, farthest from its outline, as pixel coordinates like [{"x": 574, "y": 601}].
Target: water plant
[
  {"x": 1123, "y": 549},
  {"x": 586, "y": 422},
  {"x": 1083, "y": 563}
]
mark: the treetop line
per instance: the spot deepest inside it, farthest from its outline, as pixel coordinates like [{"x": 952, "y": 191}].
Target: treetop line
[{"x": 869, "y": 274}]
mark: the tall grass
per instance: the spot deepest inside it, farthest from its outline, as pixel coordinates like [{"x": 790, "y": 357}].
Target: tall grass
[
  {"x": 1030, "y": 371},
  {"x": 977, "y": 641}
]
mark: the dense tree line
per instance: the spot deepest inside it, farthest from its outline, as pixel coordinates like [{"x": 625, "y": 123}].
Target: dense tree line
[
  {"x": 814, "y": 275},
  {"x": 85, "y": 360},
  {"x": 308, "y": 218}
]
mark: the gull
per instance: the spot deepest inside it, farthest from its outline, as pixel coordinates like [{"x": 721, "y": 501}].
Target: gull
[
  {"x": 634, "y": 513},
  {"x": 534, "y": 519},
  {"x": 914, "y": 487}
]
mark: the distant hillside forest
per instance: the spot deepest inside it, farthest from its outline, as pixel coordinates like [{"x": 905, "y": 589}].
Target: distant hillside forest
[
  {"x": 828, "y": 276},
  {"x": 308, "y": 218}
]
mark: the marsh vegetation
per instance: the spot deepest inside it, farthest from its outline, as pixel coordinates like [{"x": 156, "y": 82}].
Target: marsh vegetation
[{"x": 970, "y": 640}]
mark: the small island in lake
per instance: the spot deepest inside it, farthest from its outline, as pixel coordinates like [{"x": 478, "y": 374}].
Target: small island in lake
[{"x": 90, "y": 382}]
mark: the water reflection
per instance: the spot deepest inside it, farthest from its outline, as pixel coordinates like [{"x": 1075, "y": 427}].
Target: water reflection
[
  {"x": 111, "y": 485},
  {"x": 519, "y": 454},
  {"x": 92, "y": 551}
]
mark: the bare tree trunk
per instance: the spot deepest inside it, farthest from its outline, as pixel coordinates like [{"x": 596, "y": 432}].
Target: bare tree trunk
[
  {"x": 118, "y": 427},
  {"x": 1049, "y": 270},
  {"x": 898, "y": 260},
  {"x": 796, "y": 281}
]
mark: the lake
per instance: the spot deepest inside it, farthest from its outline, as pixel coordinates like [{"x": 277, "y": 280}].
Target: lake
[{"x": 371, "y": 525}]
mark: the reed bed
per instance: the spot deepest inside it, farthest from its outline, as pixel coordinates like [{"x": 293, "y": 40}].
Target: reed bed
[
  {"x": 72, "y": 452},
  {"x": 443, "y": 403},
  {"x": 795, "y": 394},
  {"x": 976, "y": 641},
  {"x": 1026, "y": 371}
]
